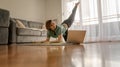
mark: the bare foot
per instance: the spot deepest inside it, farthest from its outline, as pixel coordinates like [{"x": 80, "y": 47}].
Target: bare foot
[{"x": 77, "y": 3}]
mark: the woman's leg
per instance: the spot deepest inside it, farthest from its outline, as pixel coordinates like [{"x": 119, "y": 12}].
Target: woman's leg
[
  {"x": 65, "y": 35},
  {"x": 69, "y": 21}
]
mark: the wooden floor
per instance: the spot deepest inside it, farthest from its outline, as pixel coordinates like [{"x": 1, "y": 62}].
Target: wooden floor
[{"x": 85, "y": 55}]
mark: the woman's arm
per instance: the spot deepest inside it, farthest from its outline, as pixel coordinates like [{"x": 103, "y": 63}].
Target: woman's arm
[
  {"x": 47, "y": 40},
  {"x": 59, "y": 39}
]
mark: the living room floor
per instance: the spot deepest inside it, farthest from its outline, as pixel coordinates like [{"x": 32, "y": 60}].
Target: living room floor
[{"x": 105, "y": 54}]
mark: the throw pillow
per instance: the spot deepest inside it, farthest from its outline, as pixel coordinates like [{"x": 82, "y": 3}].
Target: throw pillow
[{"x": 20, "y": 24}]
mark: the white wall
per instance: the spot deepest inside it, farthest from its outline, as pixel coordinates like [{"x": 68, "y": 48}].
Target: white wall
[
  {"x": 33, "y": 10},
  {"x": 54, "y": 10}
]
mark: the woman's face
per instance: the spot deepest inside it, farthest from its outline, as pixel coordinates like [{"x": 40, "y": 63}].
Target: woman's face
[{"x": 53, "y": 25}]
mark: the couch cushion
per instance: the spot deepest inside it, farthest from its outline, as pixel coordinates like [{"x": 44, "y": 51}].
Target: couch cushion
[
  {"x": 25, "y": 22},
  {"x": 4, "y": 18},
  {"x": 20, "y": 24},
  {"x": 28, "y": 31},
  {"x": 35, "y": 24},
  {"x": 23, "y": 39}
]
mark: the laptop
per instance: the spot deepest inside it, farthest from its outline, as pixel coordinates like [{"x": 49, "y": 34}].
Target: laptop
[{"x": 76, "y": 36}]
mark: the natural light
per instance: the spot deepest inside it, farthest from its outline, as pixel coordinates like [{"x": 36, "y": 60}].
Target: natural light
[
  {"x": 100, "y": 18},
  {"x": 90, "y": 13}
]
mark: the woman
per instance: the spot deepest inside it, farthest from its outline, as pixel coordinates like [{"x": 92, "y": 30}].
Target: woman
[{"x": 60, "y": 31}]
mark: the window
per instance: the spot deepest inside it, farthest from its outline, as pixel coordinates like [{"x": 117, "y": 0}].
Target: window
[
  {"x": 110, "y": 10},
  {"x": 91, "y": 11}
]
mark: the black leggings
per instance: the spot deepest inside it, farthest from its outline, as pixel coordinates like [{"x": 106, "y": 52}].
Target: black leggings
[{"x": 69, "y": 21}]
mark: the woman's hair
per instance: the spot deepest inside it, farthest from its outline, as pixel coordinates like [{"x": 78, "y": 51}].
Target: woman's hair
[{"x": 48, "y": 23}]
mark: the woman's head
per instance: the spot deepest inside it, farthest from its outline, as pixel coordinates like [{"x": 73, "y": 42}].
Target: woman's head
[{"x": 50, "y": 25}]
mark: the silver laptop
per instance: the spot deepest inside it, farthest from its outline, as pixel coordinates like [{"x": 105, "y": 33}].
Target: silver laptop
[{"x": 76, "y": 36}]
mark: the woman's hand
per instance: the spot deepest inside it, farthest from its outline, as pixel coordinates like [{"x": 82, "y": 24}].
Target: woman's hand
[
  {"x": 58, "y": 40},
  {"x": 44, "y": 41}
]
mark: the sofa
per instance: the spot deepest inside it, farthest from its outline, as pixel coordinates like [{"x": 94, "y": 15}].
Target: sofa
[
  {"x": 31, "y": 32},
  {"x": 4, "y": 26}
]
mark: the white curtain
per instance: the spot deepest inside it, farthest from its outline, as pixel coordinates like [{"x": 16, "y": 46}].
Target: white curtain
[{"x": 100, "y": 18}]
